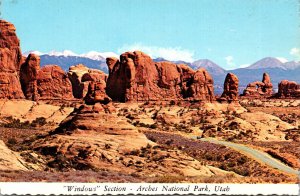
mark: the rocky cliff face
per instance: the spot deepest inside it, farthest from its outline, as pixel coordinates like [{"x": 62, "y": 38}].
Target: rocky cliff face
[
  {"x": 258, "y": 89},
  {"x": 231, "y": 85},
  {"x": 49, "y": 82},
  {"x": 81, "y": 76},
  {"x": 288, "y": 89},
  {"x": 53, "y": 83},
  {"x": 28, "y": 76},
  {"x": 10, "y": 60},
  {"x": 137, "y": 78}
]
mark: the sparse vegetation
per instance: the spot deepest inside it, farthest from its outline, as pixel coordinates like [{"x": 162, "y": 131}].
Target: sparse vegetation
[{"x": 17, "y": 123}]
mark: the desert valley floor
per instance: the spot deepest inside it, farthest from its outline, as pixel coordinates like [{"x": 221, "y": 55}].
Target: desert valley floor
[{"x": 147, "y": 142}]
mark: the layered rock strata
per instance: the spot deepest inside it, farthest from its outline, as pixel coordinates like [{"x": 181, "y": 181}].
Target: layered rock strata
[
  {"x": 288, "y": 89},
  {"x": 10, "y": 60},
  {"x": 136, "y": 77},
  {"x": 259, "y": 89},
  {"x": 53, "y": 83},
  {"x": 81, "y": 76}
]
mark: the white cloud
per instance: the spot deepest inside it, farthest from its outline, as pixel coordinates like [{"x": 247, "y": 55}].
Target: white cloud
[
  {"x": 230, "y": 62},
  {"x": 295, "y": 52},
  {"x": 244, "y": 65},
  {"x": 171, "y": 54},
  {"x": 282, "y": 59}
]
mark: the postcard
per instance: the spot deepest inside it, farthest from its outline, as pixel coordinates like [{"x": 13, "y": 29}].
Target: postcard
[{"x": 151, "y": 97}]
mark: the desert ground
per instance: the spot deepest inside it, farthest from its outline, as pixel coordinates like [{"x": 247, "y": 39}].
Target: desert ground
[{"x": 150, "y": 142}]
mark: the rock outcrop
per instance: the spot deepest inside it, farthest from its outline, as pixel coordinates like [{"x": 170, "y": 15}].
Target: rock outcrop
[
  {"x": 10, "y": 160},
  {"x": 260, "y": 89},
  {"x": 90, "y": 138},
  {"x": 137, "y": 78},
  {"x": 231, "y": 88},
  {"x": 53, "y": 83},
  {"x": 10, "y": 60},
  {"x": 81, "y": 76},
  {"x": 28, "y": 76},
  {"x": 96, "y": 93},
  {"x": 288, "y": 89}
]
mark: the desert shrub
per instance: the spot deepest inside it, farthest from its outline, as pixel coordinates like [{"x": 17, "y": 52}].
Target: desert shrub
[
  {"x": 107, "y": 146},
  {"x": 172, "y": 102},
  {"x": 16, "y": 123},
  {"x": 242, "y": 160},
  {"x": 40, "y": 121},
  {"x": 241, "y": 171},
  {"x": 135, "y": 152},
  {"x": 144, "y": 125},
  {"x": 11, "y": 141},
  {"x": 153, "y": 126}
]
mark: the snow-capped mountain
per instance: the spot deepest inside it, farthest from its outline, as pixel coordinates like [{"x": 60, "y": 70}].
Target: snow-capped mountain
[
  {"x": 66, "y": 53},
  {"x": 67, "y": 58},
  {"x": 32, "y": 51},
  {"x": 99, "y": 56},
  {"x": 63, "y": 53}
]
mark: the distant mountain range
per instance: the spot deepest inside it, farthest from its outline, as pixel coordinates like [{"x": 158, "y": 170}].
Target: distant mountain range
[
  {"x": 277, "y": 69},
  {"x": 65, "y": 59}
]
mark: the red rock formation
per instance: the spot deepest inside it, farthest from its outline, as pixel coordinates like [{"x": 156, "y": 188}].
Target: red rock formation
[
  {"x": 258, "y": 89},
  {"x": 75, "y": 74},
  {"x": 231, "y": 88},
  {"x": 28, "y": 76},
  {"x": 53, "y": 83},
  {"x": 81, "y": 76},
  {"x": 288, "y": 89},
  {"x": 96, "y": 93},
  {"x": 201, "y": 87},
  {"x": 137, "y": 78},
  {"x": 10, "y": 60}
]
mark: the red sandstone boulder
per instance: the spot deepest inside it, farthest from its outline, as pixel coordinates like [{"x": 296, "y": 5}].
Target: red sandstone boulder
[
  {"x": 81, "y": 76},
  {"x": 288, "y": 89},
  {"x": 231, "y": 88},
  {"x": 28, "y": 75},
  {"x": 53, "y": 83},
  {"x": 258, "y": 89},
  {"x": 10, "y": 60},
  {"x": 137, "y": 78},
  {"x": 96, "y": 93}
]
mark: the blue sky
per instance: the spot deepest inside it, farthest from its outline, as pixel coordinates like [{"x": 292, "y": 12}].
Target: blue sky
[{"x": 232, "y": 33}]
